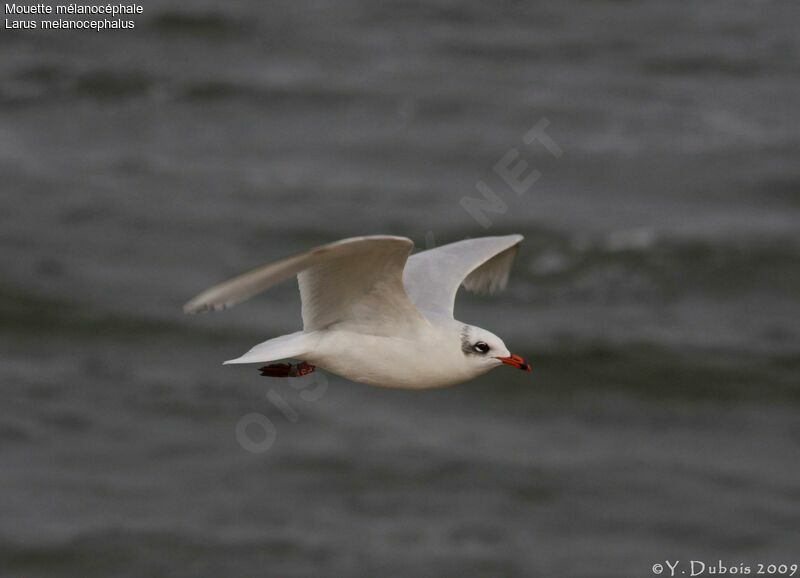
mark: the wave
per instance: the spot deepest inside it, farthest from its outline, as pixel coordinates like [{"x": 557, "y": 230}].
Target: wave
[
  {"x": 45, "y": 84},
  {"x": 203, "y": 24},
  {"x": 641, "y": 265}
]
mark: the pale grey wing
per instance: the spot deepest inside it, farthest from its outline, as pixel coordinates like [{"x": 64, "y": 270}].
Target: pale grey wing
[
  {"x": 482, "y": 265},
  {"x": 359, "y": 280}
]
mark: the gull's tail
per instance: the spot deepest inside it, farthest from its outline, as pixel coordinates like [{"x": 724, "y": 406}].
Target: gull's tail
[{"x": 292, "y": 346}]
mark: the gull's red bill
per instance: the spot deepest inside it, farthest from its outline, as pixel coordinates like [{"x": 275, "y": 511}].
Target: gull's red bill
[{"x": 516, "y": 361}]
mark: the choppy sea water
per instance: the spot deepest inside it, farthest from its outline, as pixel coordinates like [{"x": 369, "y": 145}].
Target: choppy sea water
[{"x": 657, "y": 293}]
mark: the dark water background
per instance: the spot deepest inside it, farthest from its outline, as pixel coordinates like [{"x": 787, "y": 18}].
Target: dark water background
[{"x": 657, "y": 293}]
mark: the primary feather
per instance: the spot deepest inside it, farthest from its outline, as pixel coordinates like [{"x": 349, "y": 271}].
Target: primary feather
[
  {"x": 357, "y": 281},
  {"x": 432, "y": 277}
]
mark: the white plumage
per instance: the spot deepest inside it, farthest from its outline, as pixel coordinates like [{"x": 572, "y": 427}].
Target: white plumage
[{"x": 373, "y": 314}]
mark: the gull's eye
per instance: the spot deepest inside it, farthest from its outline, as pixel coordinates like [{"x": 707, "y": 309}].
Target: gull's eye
[{"x": 481, "y": 347}]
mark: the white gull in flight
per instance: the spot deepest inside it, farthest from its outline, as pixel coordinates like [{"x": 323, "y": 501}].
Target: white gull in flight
[{"x": 375, "y": 315}]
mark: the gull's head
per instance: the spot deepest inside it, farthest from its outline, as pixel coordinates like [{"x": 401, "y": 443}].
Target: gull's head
[{"x": 483, "y": 350}]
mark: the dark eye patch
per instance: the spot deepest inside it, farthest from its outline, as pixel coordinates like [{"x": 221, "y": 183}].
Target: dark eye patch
[{"x": 481, "y": 347}]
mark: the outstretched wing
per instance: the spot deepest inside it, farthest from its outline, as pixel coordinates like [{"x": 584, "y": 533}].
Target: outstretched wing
[
  {"x": 357, "y": 280},
  {"x": 482, "y": 265}
]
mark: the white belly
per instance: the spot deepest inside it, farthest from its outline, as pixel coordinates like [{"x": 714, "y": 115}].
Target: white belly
[{"x": 419, "y": 362}]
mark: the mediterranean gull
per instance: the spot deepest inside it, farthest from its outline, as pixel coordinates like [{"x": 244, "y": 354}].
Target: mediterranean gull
[{"x": 374, "y": 314}]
